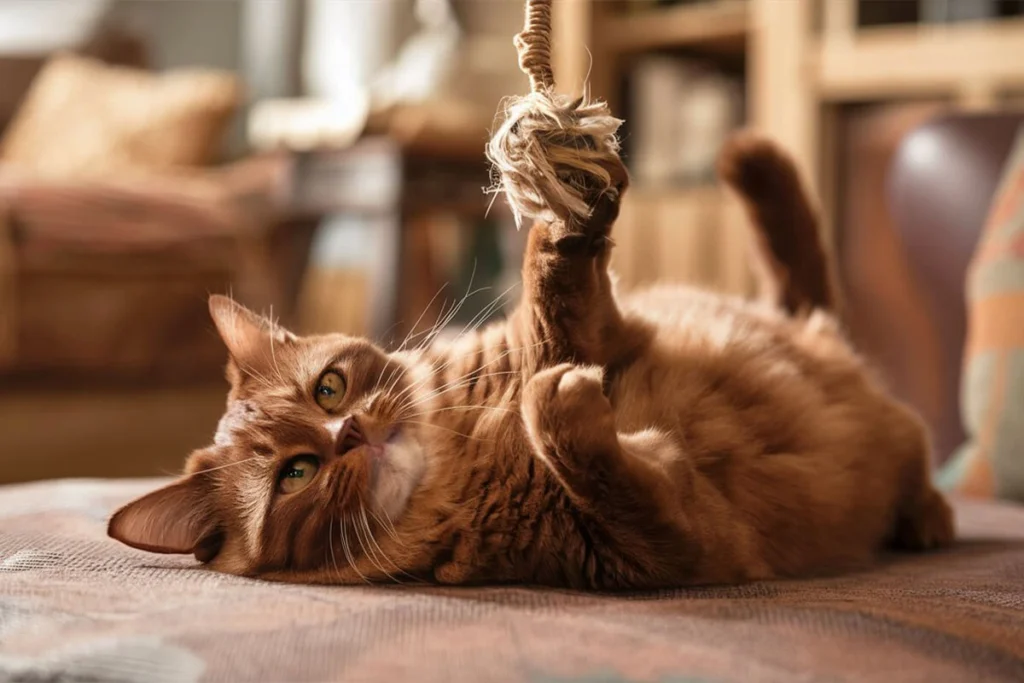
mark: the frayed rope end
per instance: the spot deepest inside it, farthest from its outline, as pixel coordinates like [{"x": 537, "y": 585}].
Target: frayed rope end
[{"x": 552, "y": 155}]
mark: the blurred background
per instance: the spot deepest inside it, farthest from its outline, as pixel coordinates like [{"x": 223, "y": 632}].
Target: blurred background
[{"x": 323, "y": 160}]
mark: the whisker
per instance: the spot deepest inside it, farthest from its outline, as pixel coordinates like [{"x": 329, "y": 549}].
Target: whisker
[
  {"x": 348, "y": 551},
  {"x": 368, "y": 553},
  {"x": 485, "y": 313},
  {"x": 453, "y": 359},
  {"x": 251, "y": 372},
  {"x": 273, "y": 357},
  {"x": 426, "y": 308},
  {"x": 388, "y": 526},
  {"x": 446, "y": 429},
  {"x": 330, "y": 544},
  {"x": 373, "y": 542},
  {"x": 429, "y": 339},
  {"x": 230, "y": 464},
  {"x": 416, "y": 402},
  {"x": 447, "y": 388},
  {"x": 392, "y": 376},
  {"x": 445, "y": 365},
  {"x": 450, "y": 408},
  {"x": 367, "y": 548}
]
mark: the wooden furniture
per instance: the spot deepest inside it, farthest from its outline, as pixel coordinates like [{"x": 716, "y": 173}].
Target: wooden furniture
[
  {"x": 111, "y": 366},
  {"x": 805, "y": 62},
  {"x": 397, "y": 187},
  {"x": 838, "y": 89},
  {"x": 694, "y": 233}
]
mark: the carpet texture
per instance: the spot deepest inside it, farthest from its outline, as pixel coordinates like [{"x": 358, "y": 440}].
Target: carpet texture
[{"x": 76, "y": 606}]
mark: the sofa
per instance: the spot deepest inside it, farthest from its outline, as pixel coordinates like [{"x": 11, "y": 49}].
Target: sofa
[
  {"x": 76, "y": 606},
  {"x": 105, "y": 265}
]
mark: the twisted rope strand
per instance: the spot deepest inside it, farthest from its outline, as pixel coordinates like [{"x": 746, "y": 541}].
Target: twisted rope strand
[
  {"x": 553, "y": 155},
  {"x": 534, "y": 46}
]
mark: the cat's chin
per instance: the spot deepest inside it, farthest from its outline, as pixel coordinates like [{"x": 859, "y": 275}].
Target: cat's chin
[{"x": 398, "y": 470}]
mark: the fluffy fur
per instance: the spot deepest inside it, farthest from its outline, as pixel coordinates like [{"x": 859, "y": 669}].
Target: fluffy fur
[{"x": 667, "y": 438}]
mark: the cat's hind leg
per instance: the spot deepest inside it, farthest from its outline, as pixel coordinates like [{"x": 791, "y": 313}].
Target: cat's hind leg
[
  {"x": 924, "y": 520},
  {"x": 925, "y": 524}
]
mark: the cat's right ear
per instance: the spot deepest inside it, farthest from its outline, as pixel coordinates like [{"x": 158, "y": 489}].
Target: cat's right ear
[
  {"x": 250, "y": 337},
  {"x": 174, "y": 519}
]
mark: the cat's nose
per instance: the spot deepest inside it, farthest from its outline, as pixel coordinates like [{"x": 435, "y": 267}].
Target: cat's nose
[{"x": 350, "y": 436}]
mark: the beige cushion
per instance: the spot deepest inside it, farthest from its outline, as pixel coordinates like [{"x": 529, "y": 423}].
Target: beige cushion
[{"x": 84, "y": 118}]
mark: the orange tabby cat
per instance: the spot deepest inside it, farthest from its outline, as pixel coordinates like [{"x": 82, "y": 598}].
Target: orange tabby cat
[{"x": 668, "y": 438}]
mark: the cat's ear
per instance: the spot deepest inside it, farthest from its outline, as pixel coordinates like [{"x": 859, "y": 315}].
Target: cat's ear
[
  {"x": 174, "y": 519},
  {"x": 249, "y": 336}
]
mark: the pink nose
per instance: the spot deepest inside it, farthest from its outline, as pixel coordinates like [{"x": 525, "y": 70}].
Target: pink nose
[{"x": 350, "y": 436}]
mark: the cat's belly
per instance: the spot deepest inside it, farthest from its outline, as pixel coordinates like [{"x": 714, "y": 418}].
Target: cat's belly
[{"x": 790, "y": 442}]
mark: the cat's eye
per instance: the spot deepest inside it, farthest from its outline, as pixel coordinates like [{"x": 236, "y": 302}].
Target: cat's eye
[
  {"x": 330, "y": 389},
  {"x": 297, "y": 474}
]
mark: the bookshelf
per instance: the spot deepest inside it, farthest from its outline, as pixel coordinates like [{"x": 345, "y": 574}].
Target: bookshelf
[
  {"x": 803, "y": 64},
  {"x": 717, "y": 26}
]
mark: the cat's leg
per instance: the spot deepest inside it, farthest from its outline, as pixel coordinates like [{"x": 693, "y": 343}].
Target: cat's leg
[
  {"x": 636, "y": 503},
  {"x": 568, "y": 299},
  {"x": 924, "y": 520}
]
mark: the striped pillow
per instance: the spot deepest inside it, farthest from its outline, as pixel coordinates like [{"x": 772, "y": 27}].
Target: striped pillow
[{"x": 991, "y": 462}]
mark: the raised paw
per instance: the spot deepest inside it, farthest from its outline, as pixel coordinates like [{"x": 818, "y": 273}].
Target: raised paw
[{"x": 567, "y": 415}]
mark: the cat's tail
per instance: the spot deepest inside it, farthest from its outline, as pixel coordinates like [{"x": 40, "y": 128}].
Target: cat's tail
[{"x": 792, "y": 255}]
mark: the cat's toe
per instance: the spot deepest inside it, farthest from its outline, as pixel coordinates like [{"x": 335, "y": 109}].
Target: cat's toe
[
  {"x": 568, "y": 419},
  {"x": 568, "y": 387},
  {"x": 582, "y": 389},
  {"x": 567, "y": 402},
  {"x": 926, "y": 526}
]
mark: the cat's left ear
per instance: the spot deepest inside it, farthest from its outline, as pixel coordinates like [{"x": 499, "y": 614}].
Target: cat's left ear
[
  {"x": 250, "y": 337},
  {"x": 174, "y": 519}
]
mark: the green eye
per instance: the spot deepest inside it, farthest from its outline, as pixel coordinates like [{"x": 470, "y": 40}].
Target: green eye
[
  {"x": 297, "y": 474},
  {"x": 330, "y": 390}
]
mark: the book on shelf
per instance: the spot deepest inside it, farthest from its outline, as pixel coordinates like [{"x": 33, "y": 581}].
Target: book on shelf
[{"x": 682, "y": 111}]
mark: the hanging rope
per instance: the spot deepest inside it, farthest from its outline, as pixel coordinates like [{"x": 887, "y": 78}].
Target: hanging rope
[
  {"x": 553, "y": 156},
  {"x": 534, "y": 46}
]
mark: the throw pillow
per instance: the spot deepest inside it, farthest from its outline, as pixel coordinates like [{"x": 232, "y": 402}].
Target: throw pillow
[
  {"x": 991, "y": 462},
  {"x": 82, "y": 117}
]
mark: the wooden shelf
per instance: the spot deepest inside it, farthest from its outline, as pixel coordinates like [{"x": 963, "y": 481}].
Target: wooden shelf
[
  {"x": 719, "y": 26},
  {"x": 696, "y": 234},
  {"x": 920, "y": 60}
]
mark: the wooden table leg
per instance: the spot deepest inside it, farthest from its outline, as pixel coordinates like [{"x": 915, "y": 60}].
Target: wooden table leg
[{"x": 385, "y": 277}]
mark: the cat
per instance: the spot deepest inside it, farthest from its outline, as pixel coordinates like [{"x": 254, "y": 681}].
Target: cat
[{"x": 667, "y": 438}]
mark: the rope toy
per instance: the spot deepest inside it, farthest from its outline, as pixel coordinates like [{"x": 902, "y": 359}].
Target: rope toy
[{"x": 553, "y": 155}]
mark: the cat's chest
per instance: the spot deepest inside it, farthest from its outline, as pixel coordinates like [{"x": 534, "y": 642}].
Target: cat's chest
[{"x": 515, "y": 517}]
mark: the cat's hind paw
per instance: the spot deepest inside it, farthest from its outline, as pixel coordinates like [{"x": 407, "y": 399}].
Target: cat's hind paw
[{"x": 927, "y": 526}]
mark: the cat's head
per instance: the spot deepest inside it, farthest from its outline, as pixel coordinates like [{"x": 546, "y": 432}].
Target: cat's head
[{"x": 317, "y": 452}]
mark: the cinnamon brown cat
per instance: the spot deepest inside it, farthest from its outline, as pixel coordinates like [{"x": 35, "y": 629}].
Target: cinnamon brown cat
[{"x": 666, "y": 438}]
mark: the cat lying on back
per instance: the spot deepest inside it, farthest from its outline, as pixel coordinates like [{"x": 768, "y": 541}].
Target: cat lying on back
[{"x": 668, "y": 438}]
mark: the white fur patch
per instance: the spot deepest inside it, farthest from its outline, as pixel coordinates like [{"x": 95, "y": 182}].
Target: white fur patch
[
  {"x": 398, "y": 473},
  {"x": 233, "y": 420},
  {"x": 334, "y": 426}
]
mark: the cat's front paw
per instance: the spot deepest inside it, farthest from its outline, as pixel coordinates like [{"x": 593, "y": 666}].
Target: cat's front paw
[
  {"x": 567, "y": 415},
  {"x": 590, "y": 237}
]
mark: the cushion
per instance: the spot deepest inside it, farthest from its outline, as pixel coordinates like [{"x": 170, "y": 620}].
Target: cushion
[
  {"x": 75, "y": 602},
  {"x": 991, "y": 461},
  {"x": 83, "y": 117}
]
